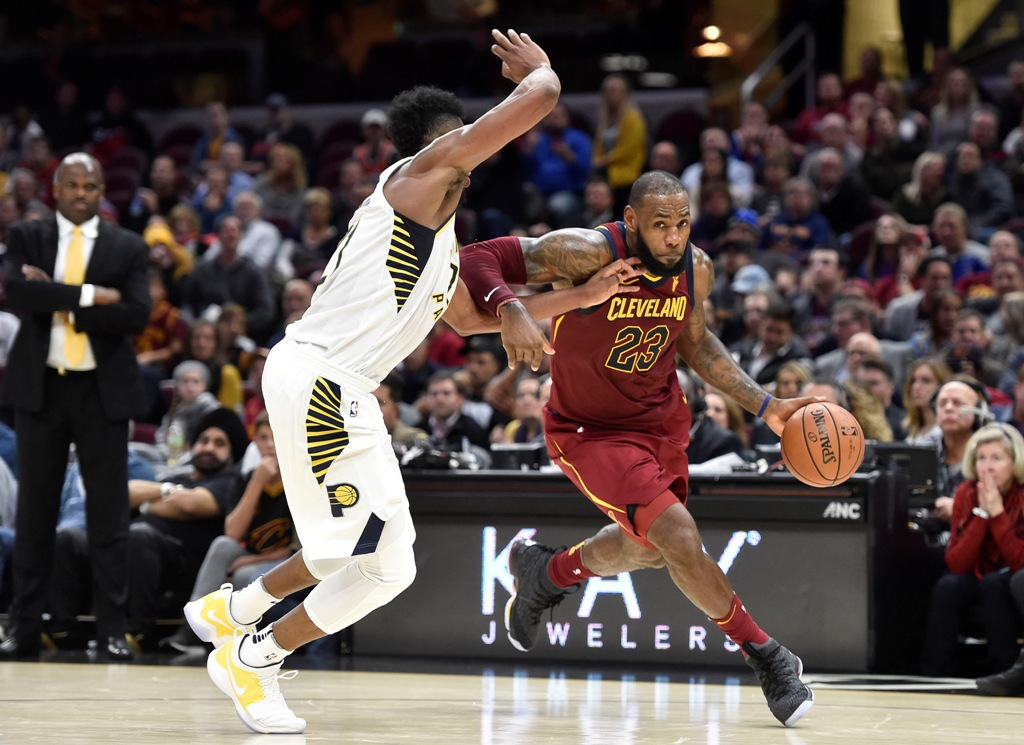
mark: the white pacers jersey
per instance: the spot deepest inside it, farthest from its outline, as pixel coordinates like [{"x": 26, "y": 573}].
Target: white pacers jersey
[{"x": 387, "y": 283}]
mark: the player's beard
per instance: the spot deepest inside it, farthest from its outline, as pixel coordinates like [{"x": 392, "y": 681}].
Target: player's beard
[{"x": 652, "y": 264}]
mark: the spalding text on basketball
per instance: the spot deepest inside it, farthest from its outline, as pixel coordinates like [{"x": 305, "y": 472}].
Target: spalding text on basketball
[{"x": 827, "y": 454}]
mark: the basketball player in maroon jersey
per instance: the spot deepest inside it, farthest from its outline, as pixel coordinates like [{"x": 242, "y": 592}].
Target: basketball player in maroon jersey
[{"x": 617, "y": 422}]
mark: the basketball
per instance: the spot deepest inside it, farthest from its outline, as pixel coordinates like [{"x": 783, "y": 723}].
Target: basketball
[{"x": 822, "y": 444}]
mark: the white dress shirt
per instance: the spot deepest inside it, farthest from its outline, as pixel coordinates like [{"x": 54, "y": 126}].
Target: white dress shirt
[{"x": 90, "y": 229}]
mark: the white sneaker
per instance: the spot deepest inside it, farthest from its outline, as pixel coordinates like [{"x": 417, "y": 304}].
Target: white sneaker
[
  {"x": 254, "y": 690},
  {"x": 210, "y": 617}
]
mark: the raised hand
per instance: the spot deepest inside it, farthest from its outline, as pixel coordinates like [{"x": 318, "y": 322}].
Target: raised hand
[
  {"x": 989, "y": 498},
  {"x": 518, "y": 53}
]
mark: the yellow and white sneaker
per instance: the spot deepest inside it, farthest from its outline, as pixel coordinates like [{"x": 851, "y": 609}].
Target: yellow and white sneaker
[
  {"x": 254, "y": 690},
  {"x": 210, "y": 617}
]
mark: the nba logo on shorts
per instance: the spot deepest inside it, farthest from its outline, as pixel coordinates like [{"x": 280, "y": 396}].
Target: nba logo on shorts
[
  {"x": 353, "y": 409},
  {"x": 342, "y": 496}
]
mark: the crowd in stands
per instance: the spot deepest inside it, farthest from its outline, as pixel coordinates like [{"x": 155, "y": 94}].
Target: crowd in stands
[{"x": 870, "y": 249}]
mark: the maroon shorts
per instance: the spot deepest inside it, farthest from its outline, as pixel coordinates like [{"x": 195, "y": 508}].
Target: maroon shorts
[{"x": 632, "y": 477}]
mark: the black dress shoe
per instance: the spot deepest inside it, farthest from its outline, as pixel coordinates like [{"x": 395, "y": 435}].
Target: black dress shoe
[
  {"x": 1007, "y": 683},
  {"x": 115, "y": 648},
  {"x": 19, "y": 648}
]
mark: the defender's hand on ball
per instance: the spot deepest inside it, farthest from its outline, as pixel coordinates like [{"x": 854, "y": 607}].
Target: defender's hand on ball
[{"x": 781, "y": 409}]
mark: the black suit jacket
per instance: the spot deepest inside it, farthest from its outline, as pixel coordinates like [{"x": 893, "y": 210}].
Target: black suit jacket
[
  {"x": 119, "y": 260},
  {"x": 710, "y": 440},
  {"x": 743, "y": 352},
  {"x": 465, "y": 426}
]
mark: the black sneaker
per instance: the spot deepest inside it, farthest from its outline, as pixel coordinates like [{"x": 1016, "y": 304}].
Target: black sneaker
[
  {"x": 533, "y": 592},
  {"x": 185, "y": 641},
  {"x": 779, "y": 672},
  {"x": 1007, "y": 683}
]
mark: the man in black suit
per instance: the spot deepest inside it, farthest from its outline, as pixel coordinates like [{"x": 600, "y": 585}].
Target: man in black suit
[
  {"x": 445, "y": 420},
  {"x": 708, "y": 439},
  {"x": 81, "y": 288},
  {"x": 775, "y": 345}
]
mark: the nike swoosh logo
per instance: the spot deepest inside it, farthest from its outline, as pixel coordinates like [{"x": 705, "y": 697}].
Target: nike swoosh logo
[
  {"x": 214, "y": 618},
  {"x": 488, "y": 295},
  {"x": 239, "y": 690}
]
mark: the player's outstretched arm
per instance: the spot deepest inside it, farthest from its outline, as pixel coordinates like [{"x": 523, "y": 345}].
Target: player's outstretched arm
[
  {"x": 566, "y": 257},
  {"x": 522, "y": 338},
  {"x": 707, "y": 356},
  {"x": 536, "y": 92},
  {"x": 563, "y": 256},
  {"x": 428, "y": 180}
]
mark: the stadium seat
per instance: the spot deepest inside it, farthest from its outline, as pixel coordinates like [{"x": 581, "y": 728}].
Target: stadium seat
[
  {"x": 341, "y": 131},
  {"x": 336, "y": 152},
  {"x": 682, "y": 127},
  {"x": 128, "y": 157},
  {"x": 182, "y": 134}
]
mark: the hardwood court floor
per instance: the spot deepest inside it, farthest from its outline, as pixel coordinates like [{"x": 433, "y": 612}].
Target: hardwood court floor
[{"x": 147, "y": 704}]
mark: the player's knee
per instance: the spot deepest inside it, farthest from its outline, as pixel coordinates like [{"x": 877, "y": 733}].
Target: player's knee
[
  {"x": 681, "y": 546},
  {"x": 397, "y": 568},
  {"x": 655, "y": 561}
]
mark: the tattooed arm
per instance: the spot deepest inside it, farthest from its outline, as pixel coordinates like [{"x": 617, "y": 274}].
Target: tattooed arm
[
  {"x": 707, "y": 356},
  {"x": 571, "y": 255},
  {"x": 579, "y": 262}
]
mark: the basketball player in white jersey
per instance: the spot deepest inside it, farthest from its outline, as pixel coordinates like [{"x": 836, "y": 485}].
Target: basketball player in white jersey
[{"x": 394, "y": 273}]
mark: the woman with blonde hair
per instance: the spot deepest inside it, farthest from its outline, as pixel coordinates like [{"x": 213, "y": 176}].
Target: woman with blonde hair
[
  {"x": 620, "y": 138},
  {"x": 225, "y": 381},
  {"x": 724, "y": 411},
  {"x": 789, "y": 379},
  {"x": 923, "y": 378},
  {"x": 283, "y": 187},
  {"x": 184, "y": 224},
  {"x": 917, "y": 201},
  {"x": 984, "y": 556},
  {"x": 869, "y": 411},
  {"x": 912, "y": 125},
  {"x": 951, "y": 116},
  {"x": 882, "y": 258},
  {"x": 316, "y": 240}
]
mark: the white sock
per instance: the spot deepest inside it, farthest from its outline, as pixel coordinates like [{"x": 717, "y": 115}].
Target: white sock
[
  {"x": 261, "y": 649},
  {"x": 251, "y": 602}
]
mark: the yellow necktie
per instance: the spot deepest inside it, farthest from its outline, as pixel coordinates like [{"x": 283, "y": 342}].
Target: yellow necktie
[{"x": 74, "y": 274}]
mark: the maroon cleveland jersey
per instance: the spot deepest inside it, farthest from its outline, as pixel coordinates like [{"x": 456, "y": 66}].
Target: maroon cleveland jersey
[{"x": 614, "y": 364}]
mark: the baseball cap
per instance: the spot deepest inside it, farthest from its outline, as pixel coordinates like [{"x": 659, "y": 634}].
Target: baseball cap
[
  {"x": 744, "y": 218},
  {"x": 276, "y": 101},
  {"x": 374, "y": 116},
  {"x": 750, "y": 277}
]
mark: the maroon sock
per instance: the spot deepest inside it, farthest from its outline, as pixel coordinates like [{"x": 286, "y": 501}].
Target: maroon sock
[
  {"x": 566, "y": 568},
  {"x": 739, "y": 625}
]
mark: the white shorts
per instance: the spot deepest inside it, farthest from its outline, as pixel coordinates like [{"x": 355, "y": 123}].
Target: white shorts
[{"x": 340, "y": 473}]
